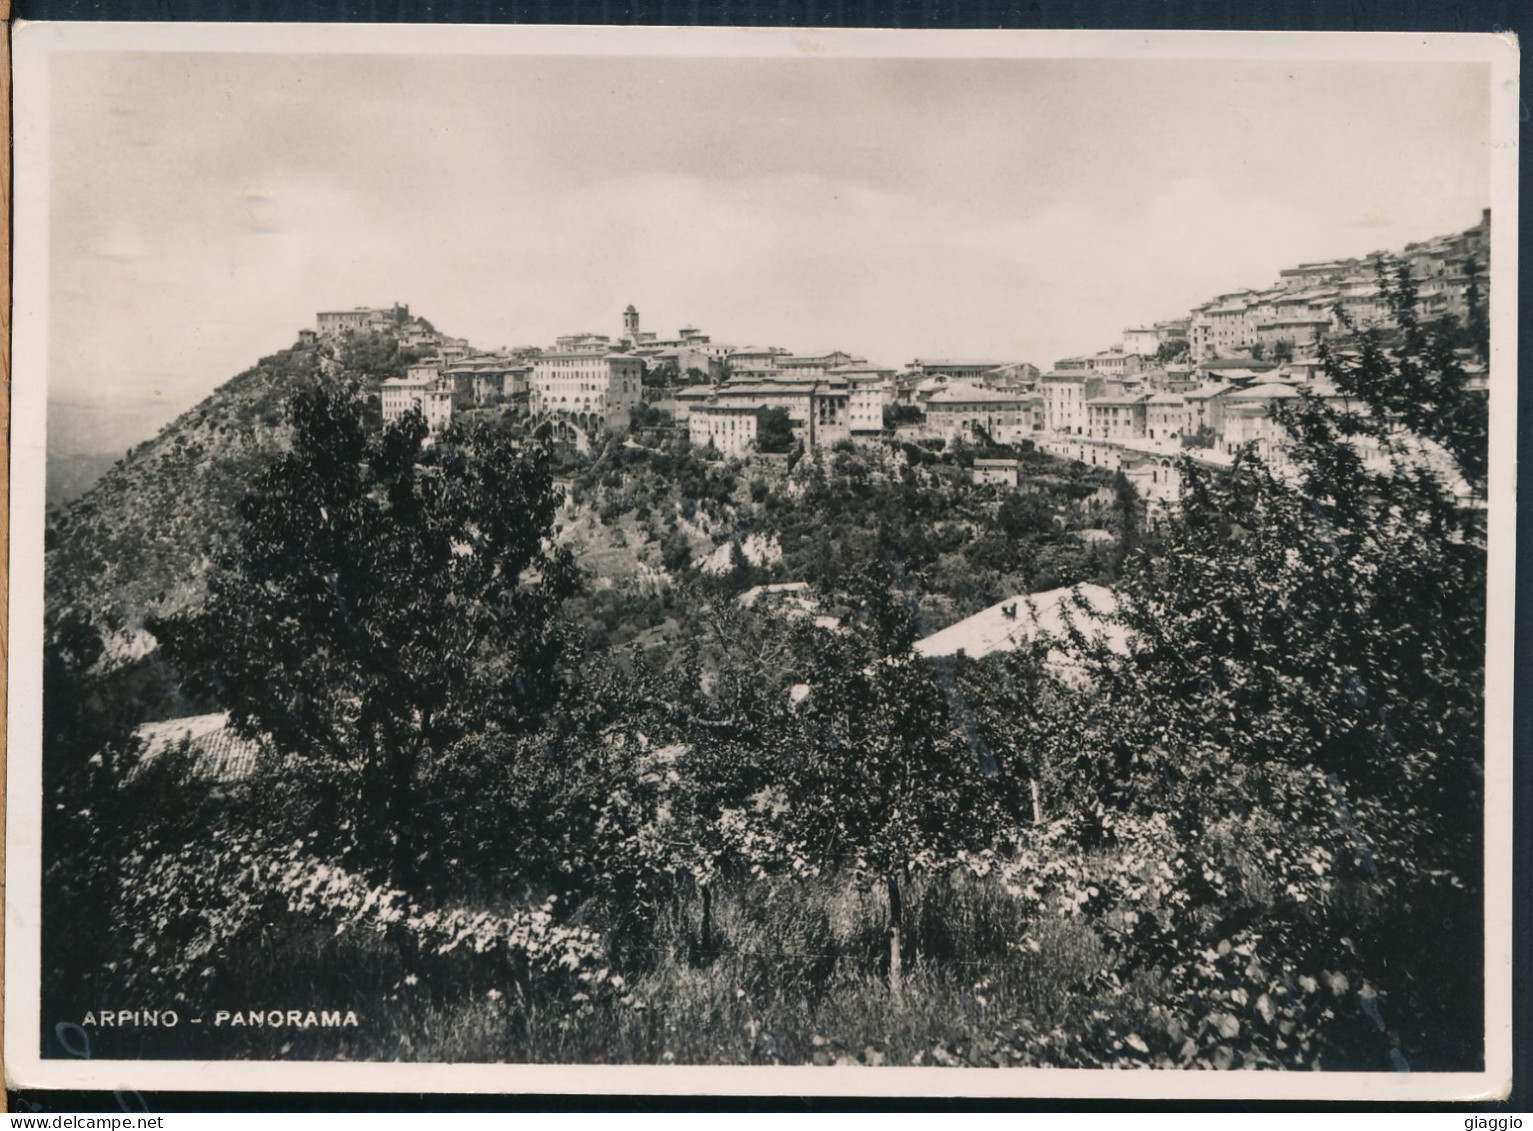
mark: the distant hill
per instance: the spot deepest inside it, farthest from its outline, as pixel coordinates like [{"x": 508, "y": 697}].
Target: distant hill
[{"x": 141, "y": 540}]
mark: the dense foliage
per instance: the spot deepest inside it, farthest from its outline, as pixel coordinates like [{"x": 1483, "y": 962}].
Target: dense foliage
[
  {"x": 387, "y": 597},
  {"x": 1243, "y": 830}
]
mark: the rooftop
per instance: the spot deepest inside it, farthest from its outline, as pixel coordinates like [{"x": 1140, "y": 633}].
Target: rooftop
[
  {"x": 972, "y": 394},
  {"x": 1009, "y": 624},
  {"x": 217, "y": 753},
  {"x": 1268, "y": 391}
]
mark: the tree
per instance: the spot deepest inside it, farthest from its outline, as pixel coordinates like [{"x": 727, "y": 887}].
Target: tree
[
  {"x": 1305, "y": 679},
  {"x": 387, "y": 597},
  {"x": 1476, "y": 314},
  {"x": 661, "y": 374},
  {"x": 1414, "y": 387},
  {"x": 1204, "y": 437},
  {"x": 1173, "y": 350},
  {"x": 774, "y": 431},
  {"x": 374, "y": 355}
]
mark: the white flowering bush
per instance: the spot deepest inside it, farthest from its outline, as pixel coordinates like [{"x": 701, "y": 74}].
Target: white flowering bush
[{"x": 187, "y": 908}]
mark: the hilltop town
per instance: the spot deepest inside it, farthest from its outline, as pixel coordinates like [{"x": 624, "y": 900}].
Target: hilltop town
[{"x": 1204, "y": 385}]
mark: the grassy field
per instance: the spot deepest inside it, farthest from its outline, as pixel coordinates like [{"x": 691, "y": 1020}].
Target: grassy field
[{"x": 794, "y": 972}]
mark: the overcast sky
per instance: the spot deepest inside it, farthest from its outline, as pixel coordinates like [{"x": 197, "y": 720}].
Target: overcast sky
[{"x": 205, "y": 206}]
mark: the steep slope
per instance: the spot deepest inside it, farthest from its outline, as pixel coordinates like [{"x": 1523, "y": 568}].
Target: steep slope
[{"x": 141, "y": 541}]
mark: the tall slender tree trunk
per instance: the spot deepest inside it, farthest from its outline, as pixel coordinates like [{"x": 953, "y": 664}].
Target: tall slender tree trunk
[
  {"x": 1032, "y": 784},
  {"x": 896, "y": 915}
]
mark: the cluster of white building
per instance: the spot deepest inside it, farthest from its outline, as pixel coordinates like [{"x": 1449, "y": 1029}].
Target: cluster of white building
[
  {"x": 1205, "y": 385},
  {"x": 451, "y": 377},
  {"x": 1123, "y": 410},
  {"x": 1307, "y": 304}
]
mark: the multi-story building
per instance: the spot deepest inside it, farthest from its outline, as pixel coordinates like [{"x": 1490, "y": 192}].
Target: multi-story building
[
  {"x": 1363, "y": 304},
  {"x": 1230, "y": 326},
  {"x": 957, "y": 369},
  {"x": 1116, "y": 415},
  {"x": 817, "y": 407},
  {"x": 1200, "y": 330},
  {"x": 583, "y": 343},
  {"x": 1064, "y": 400},
  {"x": 1308, "y": 275},
  {"x": 870, "y": 389},
  {"x": 334, "y": 323},
  {"x": 1115, "y": 362},
  {"x": 729, "y": 425},
  {"x": 425, "y": 392},
  {"x": 1143, "y": 340},
  {"x": 793, "y": 367},
  {"x": 1165, "y": 414},
  {"x": 1171, "y": 330},
  {"x": 1301, "y": 334},
  {"x": 590, "y": 389},
  {"x": 753, "y": 362},
  {"x": 487, "y": 378},
  {"x": 1018, "y": 376},
  {"x": 1155, "y": 476},
  {"x": 1250, "y": 418},
  {"x": 965, "y": 411},
  {"x": 1002, "y": 471},
  {"x": 1205, "y": 408}
]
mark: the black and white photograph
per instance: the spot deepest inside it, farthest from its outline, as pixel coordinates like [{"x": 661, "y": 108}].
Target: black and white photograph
[{"x": 765, "y": 562}]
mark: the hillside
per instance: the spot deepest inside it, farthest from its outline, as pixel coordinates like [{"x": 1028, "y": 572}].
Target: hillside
[
  {"x": 645, "y": 515},
  {"x": 141, "y": 541}
]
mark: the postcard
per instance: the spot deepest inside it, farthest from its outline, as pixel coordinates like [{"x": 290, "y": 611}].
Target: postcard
[{"x": 707, "y": 561}]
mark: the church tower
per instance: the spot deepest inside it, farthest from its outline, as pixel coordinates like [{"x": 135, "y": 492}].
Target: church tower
[{"x": 631, "y": 323}]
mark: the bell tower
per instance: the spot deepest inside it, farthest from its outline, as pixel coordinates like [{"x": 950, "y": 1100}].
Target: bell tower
[{"x": 631, "y": 323}]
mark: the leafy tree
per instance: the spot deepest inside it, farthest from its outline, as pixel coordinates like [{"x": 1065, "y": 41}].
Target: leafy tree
[
  {"x": 661, "y": 374},
  {"x": 388, "y": 596},
  {"x": 1305, "y": 676},
  {"x": 1282, "y": 350},
  {"x": 645, "y": 415},
  {"x": 1477, "y": 315},
  {"x": 1022, "y": 515},
  {"x": 374, "y": 356},
  {"x": 1204, "y": 437},
  {"x": 1413, "y": 386},
  {"x": 1173, "y": 350},
  {"x": 774, "y": 431}
]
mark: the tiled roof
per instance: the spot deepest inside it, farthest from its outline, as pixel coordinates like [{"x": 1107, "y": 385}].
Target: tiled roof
[
  {"x": 1032, "y": 615},
  {"x": 971, "y": 394},
  {"x": 1266, "y": 392},
  {"x": 217, "y": 753}
]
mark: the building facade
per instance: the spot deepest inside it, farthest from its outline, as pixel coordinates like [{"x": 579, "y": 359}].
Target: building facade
[
  {"x": 589, "y": 389},
  {"x": 730, "y": 427},
  {"x": 335, "y": 323},
  {"x": 1064, "y": 400},
  {"x": 427, "y": 393},
  {"x": 967, "y": 412}
]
